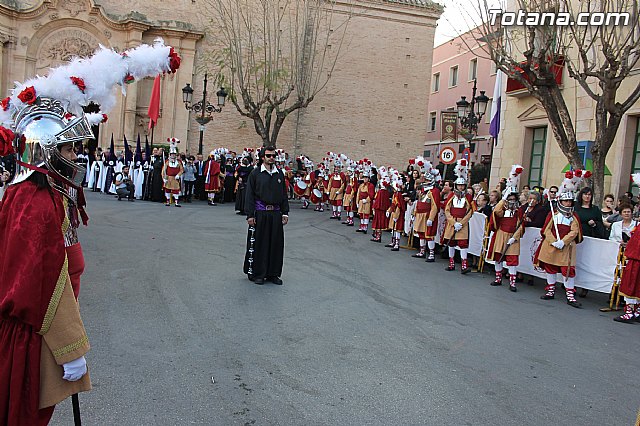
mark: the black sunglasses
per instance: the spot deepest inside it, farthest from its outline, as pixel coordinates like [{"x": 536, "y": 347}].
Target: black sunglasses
[{"x": 270, "y": 155}]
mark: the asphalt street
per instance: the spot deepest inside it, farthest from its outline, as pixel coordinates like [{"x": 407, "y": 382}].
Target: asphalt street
[{"x": 357, "y": 335}]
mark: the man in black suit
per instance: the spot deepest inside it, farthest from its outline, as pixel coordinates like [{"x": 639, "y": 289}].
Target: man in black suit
[{"x": 198, "y": 190}]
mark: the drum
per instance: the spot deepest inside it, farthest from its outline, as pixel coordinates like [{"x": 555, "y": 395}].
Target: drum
[
  {"x": 300, "y": 187},
  {"x": 316, "y": 196}
]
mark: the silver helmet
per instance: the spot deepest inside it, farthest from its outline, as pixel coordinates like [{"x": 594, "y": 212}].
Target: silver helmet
[
  {"x": 41, "y": 129},
  {"x": 566, "y": 196}
]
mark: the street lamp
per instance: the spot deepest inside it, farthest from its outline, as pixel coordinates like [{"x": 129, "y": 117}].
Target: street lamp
[
  {"x": 470, "y": 113},
  {"x": 203, "y": 109}
]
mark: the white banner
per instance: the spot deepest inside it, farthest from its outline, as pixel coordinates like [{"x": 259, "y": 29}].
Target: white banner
[{"x": 595, "y": 264}]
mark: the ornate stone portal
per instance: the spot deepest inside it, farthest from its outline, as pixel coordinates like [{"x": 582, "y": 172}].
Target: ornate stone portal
[{"x": 63, "y": 45}]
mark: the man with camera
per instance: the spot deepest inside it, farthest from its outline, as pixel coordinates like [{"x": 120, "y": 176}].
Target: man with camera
[{"x": 124, "y": 185}]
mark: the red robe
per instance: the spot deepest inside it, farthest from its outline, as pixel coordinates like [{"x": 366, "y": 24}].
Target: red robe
[
  {"x": 211, "y": 172},
  {"x": 380, "y": 206},
  {"x": 29, "y": 269}
]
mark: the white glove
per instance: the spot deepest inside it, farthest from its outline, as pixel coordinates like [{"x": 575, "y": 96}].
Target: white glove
[
  {"x": 413, "y": 218},
  {"x": 364, "y": 201},
  {"x": 429, "y": 223},
  {"x": 165, "y": 180},
  {"x": 558, "y": 244},
  {"x": 75, "y": 369},
  {"x": 388, "y": 214},
  {"x": 511, "y": 241},
  {"x": 178, "y": 177},
  {"x": 457, "y": 226}
]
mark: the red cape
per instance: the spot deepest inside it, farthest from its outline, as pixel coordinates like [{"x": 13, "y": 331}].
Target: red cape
[{"x": 32, "y": 255}]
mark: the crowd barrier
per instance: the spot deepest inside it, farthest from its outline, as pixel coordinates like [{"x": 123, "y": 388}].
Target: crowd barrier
[{"x": 595, "y": 264}]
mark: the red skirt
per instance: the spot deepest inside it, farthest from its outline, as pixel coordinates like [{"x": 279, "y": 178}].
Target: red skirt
[
  {"x": 380, "y": 220},
  {"x": 630, "y": 281}
]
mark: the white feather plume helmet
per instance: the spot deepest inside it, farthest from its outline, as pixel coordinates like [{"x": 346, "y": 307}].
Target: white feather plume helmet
[
  {"x": 572, "y": 181},
  {"x": 364, "y": 167},
  {"x": 513, "y": 181},
  {"x": 85, "y": 80},
  {"x": 461, "y": 170},
  {"x": 421, "y": 164},
  {"x": 281, "y": 155},
  {"x": 173, "y": 145},
  {"x": 635, "y": 178}
]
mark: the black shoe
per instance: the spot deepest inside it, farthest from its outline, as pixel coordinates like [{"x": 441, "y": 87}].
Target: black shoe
[
  {"x": 450, "y": 268},
  {"x": 119, "y": 198},
  {"x": 132, "y": 199},
  {"x": 389, "y": 245},
  {"x": 250, "y": 277},
  {"x": 465, "y": 271},
  {"x": 513, "y": 288},
  {"x": 547, "y": 297},
  {"x": 258, "y": 281},
  {"x": 178, "y": 205},
  {"x": 350, "y": 224},
  {"x": 495, "y": 283},
  {"x": 276, "y": 281},
  {"x": 583, "y": 292},
  {"x": 419, "y": 255},
  {"x": 574, "y": 303},
  {"x": 395, "y": 249}
]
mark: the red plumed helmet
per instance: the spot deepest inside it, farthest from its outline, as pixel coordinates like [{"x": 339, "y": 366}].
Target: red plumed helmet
[
  {"x": 463, "y": 162},
  {"x": 328, "y": 153},
  {"x": 519, "y": 170},
  {"x": 420, "y": 163},
  {"x": 579, "y": 173},
  {"x": 412, "y": 161},
  {"x": 568, "y": 175},
  {"x": 587, "y": 174}
]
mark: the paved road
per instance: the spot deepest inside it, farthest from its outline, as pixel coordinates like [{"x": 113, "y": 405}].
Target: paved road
[{"x": 357, "y": 335}]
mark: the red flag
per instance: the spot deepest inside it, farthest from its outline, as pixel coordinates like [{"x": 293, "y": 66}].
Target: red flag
[{"x": 154, "y": 103}]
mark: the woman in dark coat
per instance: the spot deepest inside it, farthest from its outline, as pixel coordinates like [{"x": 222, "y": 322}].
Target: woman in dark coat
[{"x": 241, "y": 175}]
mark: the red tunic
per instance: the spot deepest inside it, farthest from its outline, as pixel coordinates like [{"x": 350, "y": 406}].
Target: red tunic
[{"x": 211, "y": 176}]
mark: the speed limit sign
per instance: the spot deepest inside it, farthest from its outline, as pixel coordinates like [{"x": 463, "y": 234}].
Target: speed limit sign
[{"x": 447, "y": 155}]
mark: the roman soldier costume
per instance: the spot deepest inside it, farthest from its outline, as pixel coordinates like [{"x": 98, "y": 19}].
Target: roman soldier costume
[
  {"x": 630, "y": 281},
  {"x": 458, "y": 211},
  {"x": 507, "y": 224},
  {"x": 337, "y": 185},
  {"x": 309, "y": 180},
  {"x": 42, "y": 337},
  {"x": 396, "y": 211},
  {"x": 380, "y": 205},
  {"x": 560, "y": 235},
  {"x": 349, "y": 198},
  {"x": 172, "y": 173},
  {"x": 365, "y": 195},
  {"x": 426, "y": 210},
  {"x": 318, "y": 191},
  {"x": 212, "y": 177}
]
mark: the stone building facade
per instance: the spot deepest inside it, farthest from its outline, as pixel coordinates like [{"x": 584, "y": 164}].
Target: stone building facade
[
  {"x": 526, "y": 137},
  {"x": 374, "y": 105}
]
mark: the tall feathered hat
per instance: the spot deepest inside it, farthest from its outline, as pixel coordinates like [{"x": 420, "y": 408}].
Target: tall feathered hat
[
  {"x": 396, "y": 180},
  {"x": 635, "y": 178},
  {"x": 461, "y": 170},
  {"x": 385, "y": 177},
  {"x": 43, "y": 113},
  {"x": 173, "y": 145},
  {"x": 571, "y": 184},
  {"x": 513, "y": 181},
  {"x": 364, "y": 167},
  {"x": 308, "y": 164},
  {"x": 280, "y": 155},
  {"x": 419, "y": 163}
]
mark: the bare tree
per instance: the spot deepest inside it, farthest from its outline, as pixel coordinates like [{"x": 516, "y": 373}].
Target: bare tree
[
  {"x": 550, "y": 37},
  {"x": 276, "y": 55}
]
